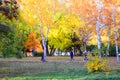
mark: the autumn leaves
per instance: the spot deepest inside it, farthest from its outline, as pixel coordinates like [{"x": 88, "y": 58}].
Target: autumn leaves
[{"x": 70, "y": 16}]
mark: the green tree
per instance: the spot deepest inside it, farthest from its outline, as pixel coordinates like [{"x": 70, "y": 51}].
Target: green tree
[{"x": 13, "y": 37}]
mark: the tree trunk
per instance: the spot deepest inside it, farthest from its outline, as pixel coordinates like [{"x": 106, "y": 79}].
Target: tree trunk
[
  {"x": 44, "y": 42},
  {"x": 52, "y": 51},
  {"x": 74, "y": 50},
  {"x": 108, "y": 47},
  {"x": 116, "y": 40},
  {"x": 98, "y": 29},
  {"x": 115, "y": 32},
  {"x": 98, "y": 37},
  {"x": 44, "y": 46},
  {"x": 47, "y": 52},
  {"x": 84, "y": 45}
]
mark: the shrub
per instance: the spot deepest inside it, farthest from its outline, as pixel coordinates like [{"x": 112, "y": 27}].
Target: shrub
[
  {"x": 91, "y": 47},
  {"x": 112, "y": 51},
  {"x": 95, "y": 63},
  {"x": 38, "y": 54}
]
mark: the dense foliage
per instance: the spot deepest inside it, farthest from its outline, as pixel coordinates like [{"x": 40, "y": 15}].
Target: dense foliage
[
  {"x": 94, "y": 64},
  {"x": 60, "y": 24},
  {"x": 12, "y": 38},
  {"x": 9, "y": 8}
]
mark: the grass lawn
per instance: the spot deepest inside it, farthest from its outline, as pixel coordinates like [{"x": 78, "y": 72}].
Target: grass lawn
[{"x": 57, "y": 68}]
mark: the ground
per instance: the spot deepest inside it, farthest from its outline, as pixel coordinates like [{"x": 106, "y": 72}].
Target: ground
[{"x": 31, "y": 68}]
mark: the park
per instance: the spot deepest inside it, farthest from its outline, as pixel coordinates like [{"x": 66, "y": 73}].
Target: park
[{"x": 59, "y": 40}]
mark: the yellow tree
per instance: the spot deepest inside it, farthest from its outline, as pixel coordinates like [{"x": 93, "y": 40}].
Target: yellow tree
[
  {"x": 39, "y": 13},
  {"x": 63, "y": 34}
]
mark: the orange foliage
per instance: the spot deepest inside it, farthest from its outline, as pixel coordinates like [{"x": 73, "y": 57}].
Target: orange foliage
[
  {"x": 87, "y": 9},
  {"x": 33, "y": 42}
]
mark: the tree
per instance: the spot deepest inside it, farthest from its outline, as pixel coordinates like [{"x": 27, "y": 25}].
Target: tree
[
  {"x": 39, "y": 14},
  {"x": 114, "y": 7},
  {"x": 95, "y": 13},
  {"x": 63, "y": 34},
  {"x": 85, "y": 34},
  {"x": 16, "y": 33},
  {"x": 32, "y": 42},
  {"x": 11, "y": 41}
]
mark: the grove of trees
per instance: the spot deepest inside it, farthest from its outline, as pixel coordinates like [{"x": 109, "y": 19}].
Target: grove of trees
[{"x": 60, "y": 25}]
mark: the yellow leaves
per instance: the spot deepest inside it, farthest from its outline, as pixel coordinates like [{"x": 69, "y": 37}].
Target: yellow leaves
[
  {"x": 71, "y": 21},
  {"x": 39, "y": 11},
  {"x": 32, "y": 11},
  {"x": 59, "y": 38}
]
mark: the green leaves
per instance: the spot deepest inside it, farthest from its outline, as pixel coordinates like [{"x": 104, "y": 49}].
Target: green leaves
[{"x": 12, "y": 39}]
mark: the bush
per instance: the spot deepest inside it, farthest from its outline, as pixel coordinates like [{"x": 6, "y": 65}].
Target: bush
[
  {"x": 95, "y": 63},
  {"x": 38, "y": 54},
  {"x": 91, "y": 47},
  {"x": 112, "y": 51}
]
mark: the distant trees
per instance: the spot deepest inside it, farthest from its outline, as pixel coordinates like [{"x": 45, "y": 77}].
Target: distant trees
[
  {"x": 99, "y": 13},
  {"x": 64, "y": 23}
]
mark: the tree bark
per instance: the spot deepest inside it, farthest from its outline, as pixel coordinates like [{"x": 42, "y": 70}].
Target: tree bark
[
  {"x": 108, "y": 47},
  {"x": 115, "y": 32},
  {"x": 116, "y": 39},
  {"x": 44, "y": 46},
  {"x": 98, "y": 39},
  {"x": 47, "y": 52},
  {"x": 98, "y": 29},
  {"x": 84, "y": 44},
  {"x": 52, "y": 50}
]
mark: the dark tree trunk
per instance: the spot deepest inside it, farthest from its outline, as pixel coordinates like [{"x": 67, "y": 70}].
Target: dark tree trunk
[
  {"x": 52, "y": 51},
  {"x": 47, "y": 52}
]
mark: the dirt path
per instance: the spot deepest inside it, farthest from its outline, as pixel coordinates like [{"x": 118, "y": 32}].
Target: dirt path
[{"x": 111, "y": 60}]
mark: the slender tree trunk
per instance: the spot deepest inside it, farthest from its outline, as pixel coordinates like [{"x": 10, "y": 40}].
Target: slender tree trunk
[
  {"x": 84, "y": 46},
  {"x": 44, "y": 42},
  {"x": 115, "y": 31},
  {"x": 44, "y": 46},
  {"x": 98, "y": 38},
  {"x": 74, "y": 50},
  {"x": 116, "y": 39},
  {"x": 108, "y": 47},
  {"x": 52, "y": 50},
  {"x": 98, "y": 29},
  {"x": 47, "y": 52},
  {"x": 52, "y": 53}
]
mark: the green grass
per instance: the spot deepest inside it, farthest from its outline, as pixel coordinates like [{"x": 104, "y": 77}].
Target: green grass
[
  {"x": 70, "y": 74},
  {"x": 51, "y": 70}
]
